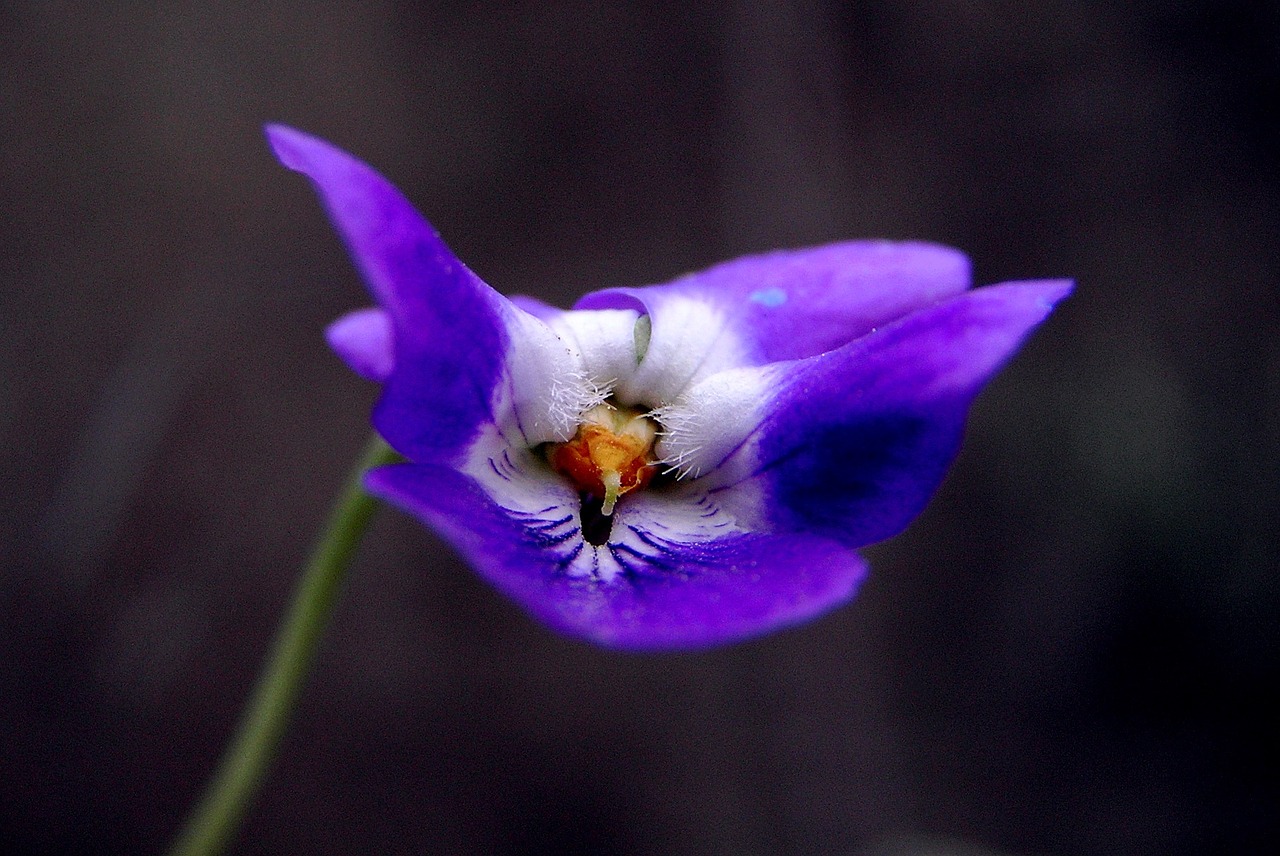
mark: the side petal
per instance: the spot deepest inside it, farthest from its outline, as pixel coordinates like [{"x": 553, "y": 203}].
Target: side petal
[
  {"x": 666, "y": 595},
  {"x": 853, "y": 443},
  {"x": 365, "y": 342},
  {"x": 785, "y": 305},
  {"x": 464, "y": 356}
]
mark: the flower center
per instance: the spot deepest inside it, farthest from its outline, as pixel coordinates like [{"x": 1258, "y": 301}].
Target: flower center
[{"x": 611, "y": 455}]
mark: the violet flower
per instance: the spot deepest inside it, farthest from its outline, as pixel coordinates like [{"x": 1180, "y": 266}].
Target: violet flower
[{"x": 673, "y": 466}]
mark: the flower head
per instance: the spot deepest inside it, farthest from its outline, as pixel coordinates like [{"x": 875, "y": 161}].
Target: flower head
[{"x": 672, "y": 466}]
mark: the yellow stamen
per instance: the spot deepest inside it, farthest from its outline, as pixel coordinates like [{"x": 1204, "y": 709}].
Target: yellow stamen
[{"x": 610, "y": 456}]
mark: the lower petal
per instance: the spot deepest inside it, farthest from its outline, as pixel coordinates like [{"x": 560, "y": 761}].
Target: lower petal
[{"x": 644, "y": 589}]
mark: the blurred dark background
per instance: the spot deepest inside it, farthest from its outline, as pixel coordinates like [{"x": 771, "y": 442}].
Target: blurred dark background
[{"x": 1071, "y": 652}]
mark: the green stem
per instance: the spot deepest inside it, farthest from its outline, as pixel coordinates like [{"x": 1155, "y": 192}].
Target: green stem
[{"x": 245, "y": 762}]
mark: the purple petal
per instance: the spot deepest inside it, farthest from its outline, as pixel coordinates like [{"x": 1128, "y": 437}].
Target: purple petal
[
  {"x": 439, "y": 309},
  {"x": 668, "y": 595},
  {"x": 364, "y": 340},
  {"x": 854, "y": 442},
  {"x": 460, "y": 348},
  {"x": 799, "y": 303},
  {"x": 407, "y": 267}
]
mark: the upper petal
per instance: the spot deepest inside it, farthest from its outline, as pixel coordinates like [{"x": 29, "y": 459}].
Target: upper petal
[
  {"x": 464, "y": 356},
  {"x": 784, "y": 305},
  {"x": 674, "y": 587},
  {"x": 406, "y": 265},
  {"x": 851, "y": 444}
]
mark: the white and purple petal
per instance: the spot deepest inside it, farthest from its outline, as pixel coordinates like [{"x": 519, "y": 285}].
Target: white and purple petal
[
  {"x": 464, "y": 356},
  {"x": 851, "y": 444},
  {"x": 658, "y": 583},
  {"x": 783, "y": 305}
]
